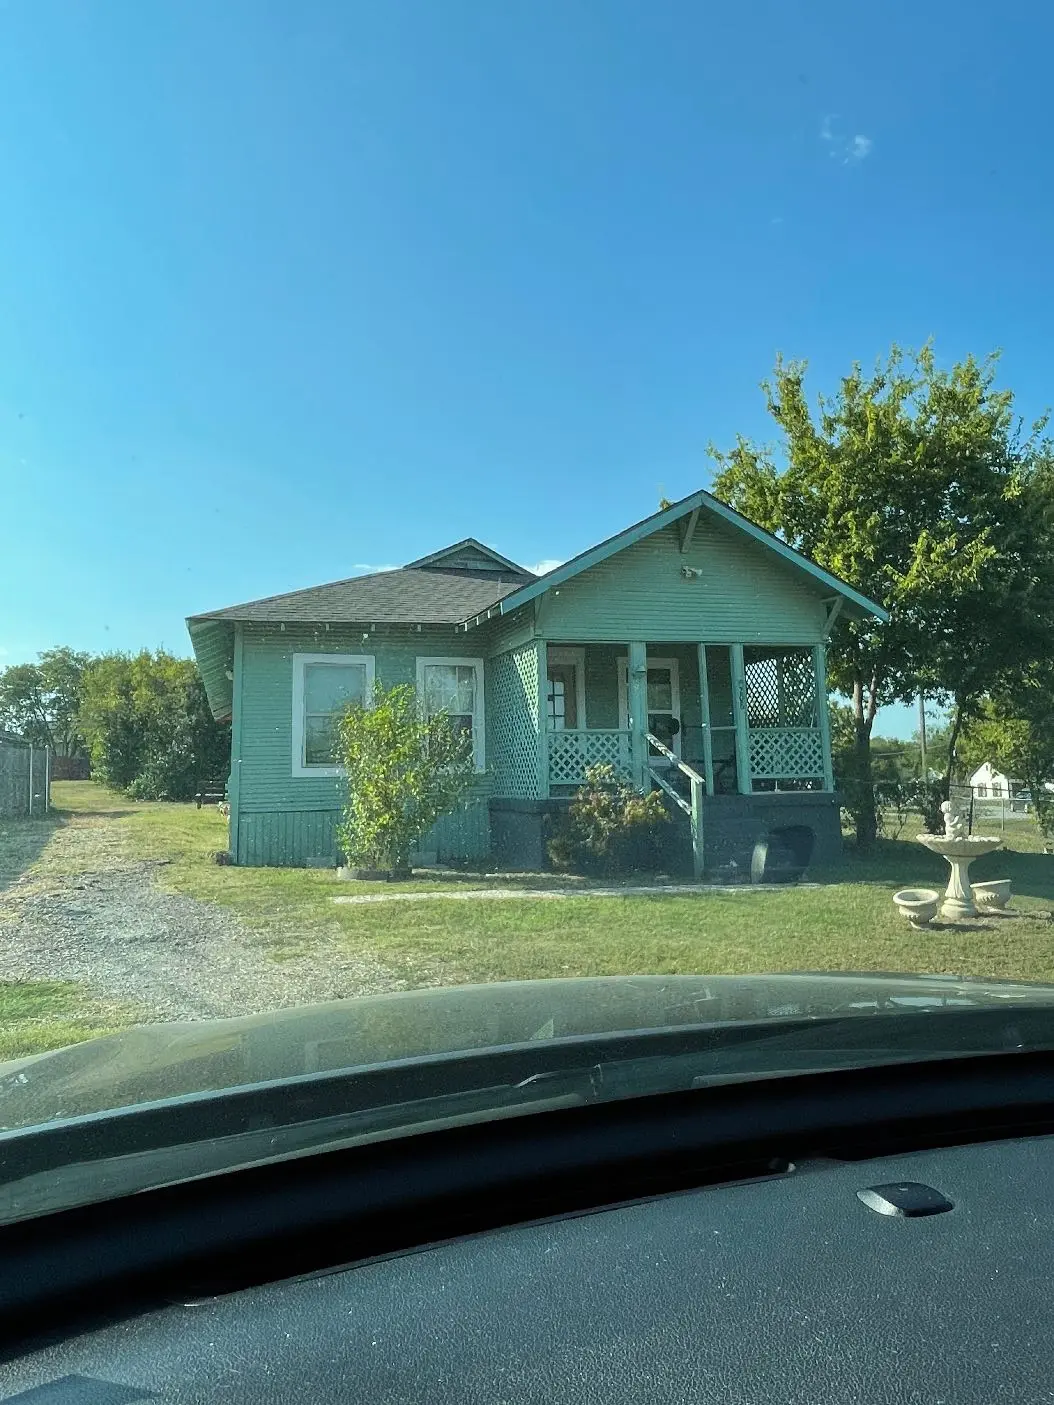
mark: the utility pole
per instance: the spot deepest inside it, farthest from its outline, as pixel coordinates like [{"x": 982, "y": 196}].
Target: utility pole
[{"x": 922, "y": 736}]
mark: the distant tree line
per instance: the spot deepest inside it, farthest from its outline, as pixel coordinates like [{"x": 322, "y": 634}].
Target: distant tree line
[{"x": 142, "y": 720}]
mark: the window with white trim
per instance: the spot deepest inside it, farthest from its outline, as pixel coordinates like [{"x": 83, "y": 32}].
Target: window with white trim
[
  {"x": 455, "y": 686},
  {"x": 323, "y": 686}
]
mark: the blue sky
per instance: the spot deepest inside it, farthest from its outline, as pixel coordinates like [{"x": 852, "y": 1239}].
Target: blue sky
[{"x": 289, "y": 290}]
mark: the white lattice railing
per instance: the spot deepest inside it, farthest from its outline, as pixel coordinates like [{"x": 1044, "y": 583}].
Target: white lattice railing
[
  {"x": 786, "y": 753},
  {"x": 571, "y": 752}
]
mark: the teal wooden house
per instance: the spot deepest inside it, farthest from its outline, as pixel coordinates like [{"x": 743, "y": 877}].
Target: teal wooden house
[{"x": 687, "y": 651}]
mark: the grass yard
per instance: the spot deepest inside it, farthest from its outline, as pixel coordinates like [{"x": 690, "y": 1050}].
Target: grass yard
[
  {"x": 847, "y": 923},
  {"x": 40, "y": 1015}
]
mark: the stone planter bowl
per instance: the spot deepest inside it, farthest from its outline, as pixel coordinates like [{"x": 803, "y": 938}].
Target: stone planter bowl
[
  {"x": 992, "y": 895},
  {"x": 918, "y": 905}
]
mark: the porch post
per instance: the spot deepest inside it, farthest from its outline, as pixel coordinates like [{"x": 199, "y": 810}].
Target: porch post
[
  {"x": 823, "y": 712},
  {"x": 739, "y": 707},
  {"x": 704, "y": 717},
  {"x": 542, "y": 658},
  {"x": 637, "y": 707}
]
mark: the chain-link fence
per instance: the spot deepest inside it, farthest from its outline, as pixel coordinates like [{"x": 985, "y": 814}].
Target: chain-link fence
[{"x": 25, "y": 779}]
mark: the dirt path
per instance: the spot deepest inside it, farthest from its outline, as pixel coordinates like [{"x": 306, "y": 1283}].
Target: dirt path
[{"x": 92, "y": 915}]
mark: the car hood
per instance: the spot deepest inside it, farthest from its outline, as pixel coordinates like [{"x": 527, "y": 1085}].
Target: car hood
[{"x": 150, "y": 1063}]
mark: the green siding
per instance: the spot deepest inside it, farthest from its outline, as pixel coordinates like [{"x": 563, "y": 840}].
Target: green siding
[
  {"x": 505, "y": 632},
  {"x": 285, "y": 819},
  {"x": 744, "y": 593}
]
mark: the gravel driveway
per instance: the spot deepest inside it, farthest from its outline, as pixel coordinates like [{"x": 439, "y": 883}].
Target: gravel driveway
[{"x": 175, "y": 957}]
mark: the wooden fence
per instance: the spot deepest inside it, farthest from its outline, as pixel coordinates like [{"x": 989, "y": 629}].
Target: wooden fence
[{"x": 25, "y": 779}]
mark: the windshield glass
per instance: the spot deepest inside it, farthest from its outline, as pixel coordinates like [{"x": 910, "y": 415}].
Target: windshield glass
[{"x": 377, "y": 630}]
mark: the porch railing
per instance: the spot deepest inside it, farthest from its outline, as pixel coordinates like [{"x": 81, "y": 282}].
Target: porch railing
[
  {"x": 572, "y": 751},
  {"x": 785, "y": 753}
]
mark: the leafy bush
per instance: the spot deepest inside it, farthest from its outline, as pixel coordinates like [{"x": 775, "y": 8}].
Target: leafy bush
[
  {"x": 405, "y": 770},
  {"x": 149, "y": 727},
  {"x": 609, "y": 827}
]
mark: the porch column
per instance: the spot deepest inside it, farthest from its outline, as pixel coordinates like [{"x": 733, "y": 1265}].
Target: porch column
[
  {"x": 823, "y": 712},
  {"x": 637, "y": 707},
  {"x": 542, "y": 659},
  {"x": 704, "y": 717},
  {"x": 739, "y": 708}
]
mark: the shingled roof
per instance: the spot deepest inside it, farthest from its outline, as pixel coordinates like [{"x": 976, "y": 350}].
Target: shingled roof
[{"x": 445, "y": 588}]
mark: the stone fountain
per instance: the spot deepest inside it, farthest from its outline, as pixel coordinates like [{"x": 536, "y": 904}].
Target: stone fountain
[{"x": 960, "y": 849}]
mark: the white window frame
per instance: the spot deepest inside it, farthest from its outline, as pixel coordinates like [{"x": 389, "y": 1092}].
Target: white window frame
[
  {"x": 301, "y": 663},
  {"x": 479, "y": 720},
  {"x": 577, "y": 658}
]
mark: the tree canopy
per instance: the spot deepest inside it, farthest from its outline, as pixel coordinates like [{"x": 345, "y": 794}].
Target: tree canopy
[
  {"x": 40, "y": 701},
  {"x": 148, "y": 726},
  {"x": 919, "y": 486}
]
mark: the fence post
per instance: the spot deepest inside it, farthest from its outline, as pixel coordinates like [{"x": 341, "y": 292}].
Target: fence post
[{"x": 29, "y": 809}]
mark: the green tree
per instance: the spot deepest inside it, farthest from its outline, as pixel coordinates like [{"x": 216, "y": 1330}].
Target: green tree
[
  {"x": 40, "y": 701},
  {"x": 148, "y": 725},
  {"x": 1015, "y": 731},
  {"x": 405, "y": 770},
  {"x": 919, "y": 487}
]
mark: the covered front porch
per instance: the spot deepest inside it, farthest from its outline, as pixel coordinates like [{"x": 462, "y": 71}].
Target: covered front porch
[{"x": 733, "y": 718}]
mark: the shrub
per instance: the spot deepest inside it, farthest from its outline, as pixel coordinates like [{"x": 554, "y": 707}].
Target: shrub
[
  {"x": 404, "y": 771},
  {"x": 609, "y": 827},
  {"x": 148, "y": 725}
]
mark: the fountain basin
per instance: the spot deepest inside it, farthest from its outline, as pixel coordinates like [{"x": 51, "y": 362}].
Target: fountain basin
[
  {"x": 992, "y": 895},
  {"x": 971, "y": 847},
  {"x": 918, "y": 905}
]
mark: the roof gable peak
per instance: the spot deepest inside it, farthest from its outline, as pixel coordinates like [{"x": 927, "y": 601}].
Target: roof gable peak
[{"x": 468, "y": 555}]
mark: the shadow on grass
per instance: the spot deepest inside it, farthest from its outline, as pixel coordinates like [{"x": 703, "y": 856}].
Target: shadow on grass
[
  {"x": 904, "y": 863},
  {"x": 21, "y": 844}
]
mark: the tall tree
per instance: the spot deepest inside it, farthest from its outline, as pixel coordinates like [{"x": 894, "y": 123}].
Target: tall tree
[
  {"x": 921, "y": 488},
  {"x": 148, "y": 725},
  {"x": 40, "y": 701}
]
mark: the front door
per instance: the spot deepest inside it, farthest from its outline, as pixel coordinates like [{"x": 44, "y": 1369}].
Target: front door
[{"x": 664, "y": 704}]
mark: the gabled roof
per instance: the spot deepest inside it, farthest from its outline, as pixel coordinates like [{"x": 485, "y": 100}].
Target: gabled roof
[
  {"x": 447, "y": 587},
  {"x": 700, "y": 501},
  {"x": 469, "y": 555}
]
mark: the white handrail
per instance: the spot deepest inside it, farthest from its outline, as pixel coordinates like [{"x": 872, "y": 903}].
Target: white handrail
[
  {"x": 668, "y": 788},
  {"x": 689, "y": 771}
]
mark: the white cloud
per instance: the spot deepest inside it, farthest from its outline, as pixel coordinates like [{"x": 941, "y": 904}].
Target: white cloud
[
  {"x": 542, "y": 568},
  {"x": 850, "y": 151},
  {"x": 372, "y": 570},
  {"x": 859, "y": 147},
  {"x": 3, "y": 652}
]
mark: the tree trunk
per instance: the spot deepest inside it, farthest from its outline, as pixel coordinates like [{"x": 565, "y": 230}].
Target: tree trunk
[
  {"x": 864, "y": 720},
  {"x": 953, "y": 742}
]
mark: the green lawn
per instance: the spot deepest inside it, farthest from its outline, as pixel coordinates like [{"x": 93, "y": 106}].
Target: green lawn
[
  {"x": 846, "y": 923},
  {"x": 40, "y": 1015}
]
